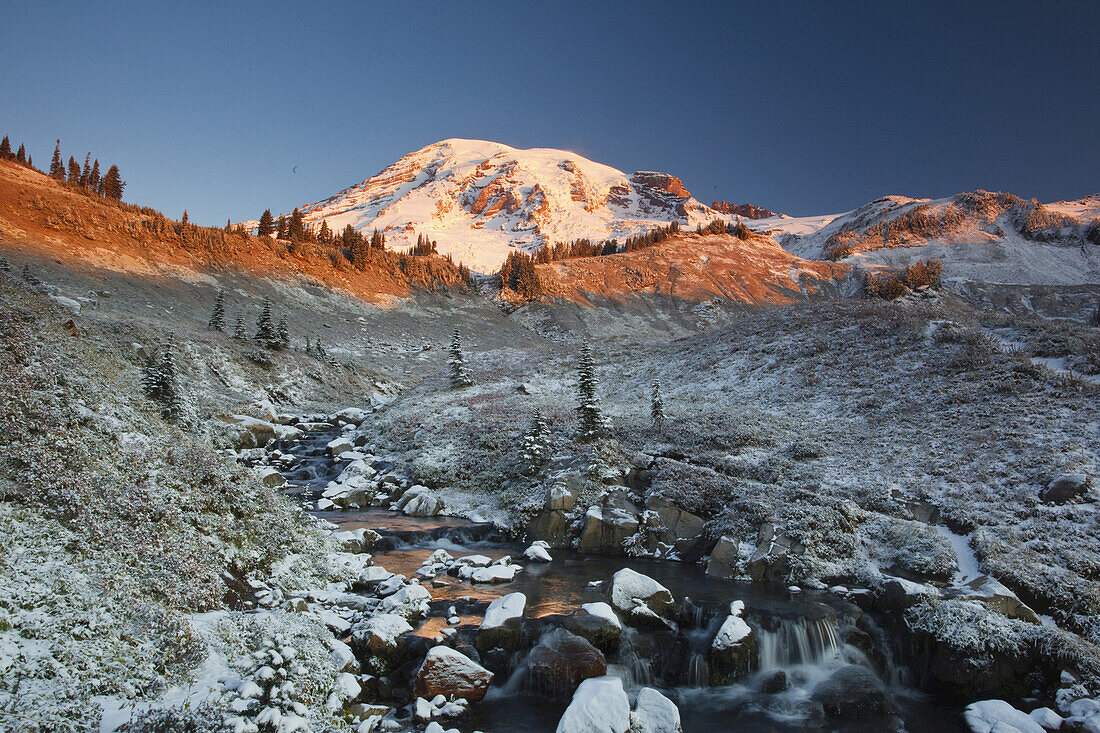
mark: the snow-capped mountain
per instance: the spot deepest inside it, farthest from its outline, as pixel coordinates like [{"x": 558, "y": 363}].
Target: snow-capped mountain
[
  {"x": 479, "y": 199},
  {"x": 983, "y": 236}
]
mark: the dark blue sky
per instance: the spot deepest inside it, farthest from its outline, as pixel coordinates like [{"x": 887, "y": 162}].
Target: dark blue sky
[{"x": 808, "y": 107}]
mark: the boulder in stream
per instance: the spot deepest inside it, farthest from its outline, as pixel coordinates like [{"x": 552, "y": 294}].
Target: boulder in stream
[
  {"x": 451, "y": 673},
  {"x": 654, "y": 713},
  {"x": 733, "y": 651},
  {"x": 997, "y": 716},
  {"x": 643, "y": 601},
  {"x": 597, "y": 623},
  {"x": 852, "y": 692},
  {"x": 607, "y": 525},
  {"x": 599, "y": 705},
  {"x": 501, "y": 626},
  {"x": 560, "y": 662}
]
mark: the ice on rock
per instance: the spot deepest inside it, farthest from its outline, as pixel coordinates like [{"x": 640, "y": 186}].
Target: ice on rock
[
  {"x": 599, "y": 705},
  {"x": 997, "y": 716}
]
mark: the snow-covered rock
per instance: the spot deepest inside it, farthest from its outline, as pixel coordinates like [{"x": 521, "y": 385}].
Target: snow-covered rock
[
  {"x": 537, "y": 552},
  {"x": 272, "y": 478},
  {"x": 599, "y": 705},
  {"x": 598, "y": 623},
  {"x": 412, "y": 600},
  {"x": 501, "y": 625},
  {"x": 339, "y": 445},
  {"x": 997, "y": 716},
  {"x": 654, "y": 713},
  {"x": 733, "y": 651},
  {"x": 641, "y": 599},
  {"x": 451, "y": 673},
  {"x": 378, "y": 634},
  {"x": 419, "y": 501},
  {"x": 495, "y": 574}
]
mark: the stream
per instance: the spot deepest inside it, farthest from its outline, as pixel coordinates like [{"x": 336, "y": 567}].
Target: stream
[{"x": 802, "y": 638}]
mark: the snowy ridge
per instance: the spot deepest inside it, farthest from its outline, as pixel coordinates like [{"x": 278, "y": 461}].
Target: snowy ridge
[
  {"x": 979, "y": 236},
  {"x": 480, "y": 199}
]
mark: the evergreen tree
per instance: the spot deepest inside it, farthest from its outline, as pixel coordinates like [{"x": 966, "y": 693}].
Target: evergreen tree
[
  {"x": 320, "y": 350},
  {"x": 325, "y": 234},
  {"x": 86, "y": 171},
  {"x": 238, "y": 329},
  {"x": 30, "y": 162},
  {"x": 94, "y": 180},
  {"x": 295, "y": 228},
  {"x": 280, "y": 229},
  {"x": 185, "y": 220},
  {"x": 74, "y": 171},
  {"x": 657, "y": 408},
  {"x": 217, "y": 318},
  {"x": 4, "y": 266},
  {"x": 536, "y": 443},
  {"x": 5, "y": 148},
  {"x": 265, "y": 326},
  {"x": 267, "y": 225},
  {"x": 377, "y": 240},
  {"x": 1096, "y": 315},
  {"x": 113, "y": 184},
  {"x": 21, "y": 156},
  {"x": 29, "y": 276},
  {"x": 57, "y": 169},
  {"x": 592, "y": 425},
  {"x": 460, "y": 377},
  {"x": 160, "y": 381},
  {"x": 283, "y": 333}
]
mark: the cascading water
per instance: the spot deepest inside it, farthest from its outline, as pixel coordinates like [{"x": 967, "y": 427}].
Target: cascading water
[
  {"x": 798, "y": 642},
  {"x": 698, "y": 674}
]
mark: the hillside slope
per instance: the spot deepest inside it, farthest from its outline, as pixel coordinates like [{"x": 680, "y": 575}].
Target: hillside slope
[{"x": 480, "y": 199}]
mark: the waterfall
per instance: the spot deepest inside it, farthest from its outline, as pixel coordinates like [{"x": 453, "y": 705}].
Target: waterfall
[
  {"x": 798, "y": 641},
  {"x": 698, "y": 670}
]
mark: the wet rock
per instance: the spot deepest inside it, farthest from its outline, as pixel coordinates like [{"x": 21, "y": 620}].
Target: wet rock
[
  {"x": 775, "y": 683},
  {"x": 452, "y": 674},
  {"x": 654, "y": 713},
  {"x": 641, "y": 600},
  {"x": 494, "y": 574},
  {"x": 597, "y": 623},
  {"x": 608, "y": 524},
  {"x": 852, "y": 692},
  {"x": 733, "y": 651},
  {"x": 599, "y": 705},
  {"x": 560, "y": 662},
  {"x": 502, "y": 623},
  {"x": 1065, "y": 488}
]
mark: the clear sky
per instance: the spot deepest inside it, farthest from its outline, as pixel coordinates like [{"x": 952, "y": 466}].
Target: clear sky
[{"x": 806, "y": 107}]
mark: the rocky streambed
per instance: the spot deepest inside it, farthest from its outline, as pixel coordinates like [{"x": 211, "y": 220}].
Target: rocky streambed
[{"x": 460, "y": 625}]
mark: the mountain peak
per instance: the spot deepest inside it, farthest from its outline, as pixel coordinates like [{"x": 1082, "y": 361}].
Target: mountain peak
[{"x": 480, "y": 199}]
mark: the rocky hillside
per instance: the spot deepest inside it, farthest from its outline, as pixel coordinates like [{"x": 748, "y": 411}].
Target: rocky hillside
[{"x": 479, "y": 199}]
